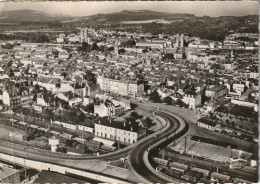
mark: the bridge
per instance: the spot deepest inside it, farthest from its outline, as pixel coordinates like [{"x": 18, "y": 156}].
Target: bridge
[{"x": 138, "y": 155}]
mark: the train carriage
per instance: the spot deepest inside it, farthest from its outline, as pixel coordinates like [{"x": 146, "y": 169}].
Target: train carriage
[
  {"x": 172, "y": 173},
  {"x": 189, "y": 178},
  {"x": 250, "y": 169},
  {"x": 161, "y": 161},
  {"x": 179, "y": 165},
  {"x": 203, "y": 171},
  {"x": 239, "y": 181},
  {"x": 221, "y": 177},
  {"x": 204, "y": 180},
  {"x": 94, "y": 144},
  {"x": 174, "y": 169}
]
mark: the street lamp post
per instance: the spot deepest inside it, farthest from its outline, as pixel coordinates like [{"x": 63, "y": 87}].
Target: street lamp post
[{"x": 25, "y": 167}]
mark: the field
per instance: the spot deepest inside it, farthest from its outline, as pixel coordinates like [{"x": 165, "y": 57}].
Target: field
[{"x": 208, "y": 151}]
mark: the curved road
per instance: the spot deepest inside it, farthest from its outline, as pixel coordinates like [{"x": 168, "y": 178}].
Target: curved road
[
  {"x": 138, "y": 164},
  {"x": 136, "y": 158}
]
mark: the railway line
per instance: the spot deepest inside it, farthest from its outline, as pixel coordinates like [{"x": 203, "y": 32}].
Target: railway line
[{"x": 139, "y": 153}]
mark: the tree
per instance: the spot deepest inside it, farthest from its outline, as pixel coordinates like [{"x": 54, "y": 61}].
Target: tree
[
  {"x": 135, "y": 115},
  {"x": 181, "y": 103},
  {"x": 43, "y": 38},
  {"x": 148, "y": 121},
  {"x": 111, "y": 48},
  {"x": 90, "y": 77},
  {"x": 167, "y": 100},
  {"x": 64, "y": 74},
  {"x": 102, "y": 48},
  {"x": 86, "y": 150},
  {"x": 48, "y": 114},
  {"x": 11, "y": 74},
  {"x": 68, "y": 143},
  {"x": 26, "y": 71},
  {"x": 211, "y": 115},
  {"x": 74, "y": 116},
  {"x": 133, "y": 106},
  {"x": 145, "y": 50},
  {"x": 84, "y": 46},
  {"x": 168, "y": 56},
  {"x": 154, "y": 97},
  {"x": 94, "y": 46},
  {"x": 81, "y": 116},
  {"x": 130, "y": 42},
  {"x": 89, "y": 108},
  {"x": 227, "y": 121},
  {"x": 79, "y": 49},
  {"x": 121, "y": 51},
  {"x": 61, "y": 149}
]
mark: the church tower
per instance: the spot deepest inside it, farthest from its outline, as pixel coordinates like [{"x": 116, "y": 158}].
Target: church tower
[
  {"x": 84, "y": 35},
  {"x": 116, "y": 48},
  {"x": 182, "y": 40}
]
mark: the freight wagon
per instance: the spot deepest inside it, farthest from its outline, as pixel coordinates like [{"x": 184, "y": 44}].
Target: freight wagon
[
  {"x": 238, "y": 180},
  {"x": 203, "y": 171},
  {"x": 178, "y": 165},
  {"x": 161, "y": 161},
  {"x": 189, "y": 178},
  {"x": 221, "y": 177}
]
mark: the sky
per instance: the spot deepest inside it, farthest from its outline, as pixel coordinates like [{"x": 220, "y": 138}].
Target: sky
[{"x": 199, "y": 8}]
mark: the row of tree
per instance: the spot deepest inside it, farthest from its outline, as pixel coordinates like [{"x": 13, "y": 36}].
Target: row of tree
[
  {"x": 134, "y": 116},
  {"x": 28, "y": 37},
  {"x": 85, "y": 47},
  {"x": 155, "y": 98}
]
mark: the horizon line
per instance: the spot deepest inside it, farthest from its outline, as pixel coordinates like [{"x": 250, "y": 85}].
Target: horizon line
[{"x": 184, "y": 13}]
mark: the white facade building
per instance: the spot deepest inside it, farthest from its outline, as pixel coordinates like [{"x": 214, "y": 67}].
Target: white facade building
[
  {"x": 192, "y": 99},
  {"x": 121, "y": 87},
  {"x": 122, "y": 132},
  {"x": 104, "y": 109},
  {"x": 216, "y": 91},
  {"x": 204, "y": 123},
  {"x": 239, "y": 88}
]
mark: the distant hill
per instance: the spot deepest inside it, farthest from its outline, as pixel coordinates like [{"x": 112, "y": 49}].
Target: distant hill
[
  {"x": 29, "y": 15},
  {"x": 117, "y": 17},
  {"x": 212, "y": 28},
  {"x": 136, "y": 15},
  {"x": 126, "y": 15}
]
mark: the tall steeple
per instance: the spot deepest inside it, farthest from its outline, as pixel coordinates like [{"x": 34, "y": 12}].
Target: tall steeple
[
  {"x": 177, "y": 41},
  {"x": 116, "y": 47},
  {"x": 84, "y": 35},
  {"x": 182, "y": 40}
]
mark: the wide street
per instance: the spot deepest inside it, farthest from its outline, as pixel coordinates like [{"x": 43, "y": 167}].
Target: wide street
[
  {"x": 98, "y": 163},
  {"x": 191, "y": 116},
  {"x": 136, "y": 160},
  {"x": 187, "y": 114}
]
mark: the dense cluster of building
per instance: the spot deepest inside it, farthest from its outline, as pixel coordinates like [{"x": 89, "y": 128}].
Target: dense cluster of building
[{"x": 116, "y": 65}]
